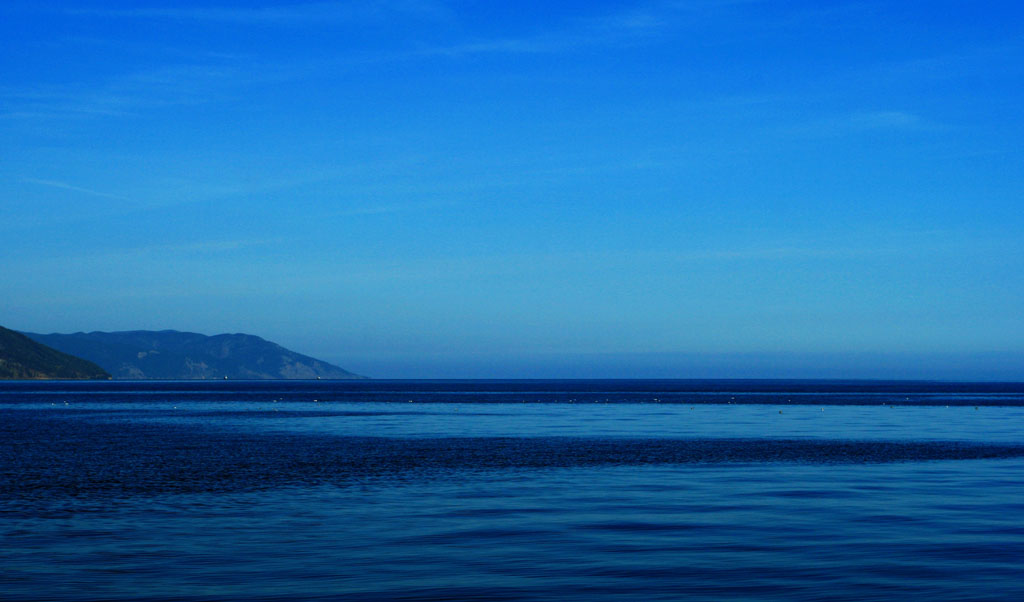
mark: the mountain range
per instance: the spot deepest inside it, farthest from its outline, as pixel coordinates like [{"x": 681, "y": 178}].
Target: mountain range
[
  {"x": 23, "y": 358},
  {"x": 170, "y": 354}
]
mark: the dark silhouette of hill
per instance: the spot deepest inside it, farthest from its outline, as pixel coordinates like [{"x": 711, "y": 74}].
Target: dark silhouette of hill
[
  {"x": 170, "y": 354},
  {"x": 23, "y": 358}
]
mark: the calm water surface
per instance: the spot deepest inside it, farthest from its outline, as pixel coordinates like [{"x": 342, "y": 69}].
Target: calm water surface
[{"x": 523, "y": 490}]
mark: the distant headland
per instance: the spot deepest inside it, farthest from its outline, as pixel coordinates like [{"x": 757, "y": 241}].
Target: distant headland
[
  {"x": 173, "y": 355},
  {"x": 23, "y": 358}
]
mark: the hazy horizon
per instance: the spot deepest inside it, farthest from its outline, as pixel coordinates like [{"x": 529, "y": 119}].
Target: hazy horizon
[
  {"x": 622, "y": 189},
  {"x": 947, "y": 367}
]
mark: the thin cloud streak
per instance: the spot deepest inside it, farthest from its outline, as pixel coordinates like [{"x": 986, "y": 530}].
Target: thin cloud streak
[
  {"x": 859, "y": 122},
  {"x": 624, "y": 27},
  {"x": 527, "y": 263},
  {"x": 298, "y": 14},
  {"x": 211, "y": 246},
  {"x": 123, "y": 255},
  {"x": 180, "y": 85},
  {"x": 196, "y": 84},
  {"x": 66, "y": 186},
  {"x": 390, "y": 209}
]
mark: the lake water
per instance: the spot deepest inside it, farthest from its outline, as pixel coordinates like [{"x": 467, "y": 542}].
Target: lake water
[{"x": 517, "y": 490}]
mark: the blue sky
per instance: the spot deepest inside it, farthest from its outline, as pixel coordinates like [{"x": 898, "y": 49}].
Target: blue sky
[{"x": 422, "y": 188}]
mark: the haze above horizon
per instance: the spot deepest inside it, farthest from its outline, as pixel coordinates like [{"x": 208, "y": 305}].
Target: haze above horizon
[{"x": 424, "y": 188}]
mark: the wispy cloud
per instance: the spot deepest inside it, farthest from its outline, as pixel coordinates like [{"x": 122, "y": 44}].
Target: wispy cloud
[
  {"x": 129, "y": 94},
  {"x": 391, "y": 208},
  {"x": 859, "y": 122},
  {"x": 73, "y": 188},
  {"x": 209, "y": 76},
  {"x": 196, "y": 249},
  {"x": 219, "y": 76},
  {"x": 287, "y": 15},
  {"x": 574, "y": 263},
  {"x": 208, "y": 246},
  {"x": 624, "y": 27},
  {"x": 1004, "y": 57}
]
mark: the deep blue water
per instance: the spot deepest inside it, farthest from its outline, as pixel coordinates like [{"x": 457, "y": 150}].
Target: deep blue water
[{"x": 522, "y": 490}]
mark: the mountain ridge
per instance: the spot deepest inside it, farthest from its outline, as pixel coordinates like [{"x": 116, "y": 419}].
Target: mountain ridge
[
  {"x": 180, "y": 355},
  {"x": 21, "y": 357}
]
